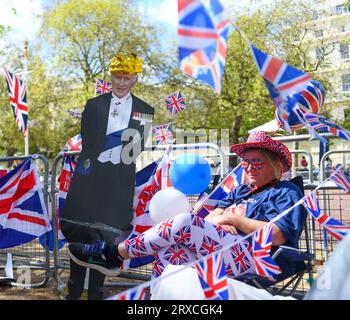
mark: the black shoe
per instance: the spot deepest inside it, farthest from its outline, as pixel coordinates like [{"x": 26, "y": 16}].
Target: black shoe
[{"x": 96, "y": 256}]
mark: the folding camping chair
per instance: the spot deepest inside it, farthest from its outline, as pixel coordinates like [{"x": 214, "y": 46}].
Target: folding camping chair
[{"x": 299, "y": 260}]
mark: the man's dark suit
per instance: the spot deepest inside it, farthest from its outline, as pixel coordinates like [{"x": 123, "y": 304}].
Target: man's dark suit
[{"x": 100, "y": 197}]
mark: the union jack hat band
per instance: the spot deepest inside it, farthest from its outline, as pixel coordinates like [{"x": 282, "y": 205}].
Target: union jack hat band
[{"x": 261, "y": 140}]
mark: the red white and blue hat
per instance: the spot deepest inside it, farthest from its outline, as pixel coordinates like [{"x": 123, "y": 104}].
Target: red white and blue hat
[{"x": 261, "y": 140}]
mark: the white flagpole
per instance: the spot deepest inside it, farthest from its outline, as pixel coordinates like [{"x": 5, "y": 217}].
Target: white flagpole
[{"x": 26, "y": 138}]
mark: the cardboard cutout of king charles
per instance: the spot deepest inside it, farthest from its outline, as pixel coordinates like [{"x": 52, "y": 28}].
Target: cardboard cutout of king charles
[{"x": 114, "y": 128}]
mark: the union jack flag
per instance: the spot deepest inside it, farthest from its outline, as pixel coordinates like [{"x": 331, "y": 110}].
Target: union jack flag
[
  {"x": 241, "y": 260},
  {"x": 341, "y": 180},
  {"x": 265, "y": 266},
  {"x": 18, "y": 98},
  {"x": 163, "y": 134},
  {"x": 333, "y": 226},
  {"x": 212, "y": 276},
  {"x": 23, "y": 215},
  {"x": 281, "y": 80},
  {"x": 102, "y": 87},
  {"x": 202, "y": 36},
  {"x": 131, "y": 294},
  {"x": 175, "y": 102},
  {"x": 73, "y": 144},
  {"x": 235, "y": 178},
  {"x": 313, "y": 121}
]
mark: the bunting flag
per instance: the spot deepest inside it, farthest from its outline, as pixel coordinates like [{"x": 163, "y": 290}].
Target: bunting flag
[
  {"x": 163, "y": 134},
  {"x": 73, "y": 144},
  {"x": 212, "y": 276},
  {"x": 23, "y": 214},
  {"x": 175, "y": 102},
  {"x": 136, "y": 293},
  {"x": 313, "y": 121},
  {"x": 265, "y": 266},
  {"x": 282, "y": 81},
  {"x": 102, "y": 87},
  {"x": 235, "y": 178},
  {"x": 18, "y": 98},
  {"x": 342, "y": 181},
  {"x": 202, "y": 36},
  {"x": 68, "y": 166},
  {"x": 74, "y": 114},
  {"x": 3, "y": 172},
  {"x": 333, "y": 226}
]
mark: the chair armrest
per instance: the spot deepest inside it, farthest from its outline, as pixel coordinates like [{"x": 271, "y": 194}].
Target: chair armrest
[{"x": 293, "y": 254}]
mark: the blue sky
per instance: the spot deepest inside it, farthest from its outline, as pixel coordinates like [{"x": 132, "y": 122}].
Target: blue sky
[{"x": 25, "y": 23}]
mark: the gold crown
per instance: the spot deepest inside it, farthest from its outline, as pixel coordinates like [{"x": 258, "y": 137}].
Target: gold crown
[{"x": 129, "y": 65}]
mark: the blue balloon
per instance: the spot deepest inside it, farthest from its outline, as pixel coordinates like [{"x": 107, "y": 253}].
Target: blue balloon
[{"x": 190, "y": 173}]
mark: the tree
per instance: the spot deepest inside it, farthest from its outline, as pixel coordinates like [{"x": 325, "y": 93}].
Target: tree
[{"x": 86, "y": 34}]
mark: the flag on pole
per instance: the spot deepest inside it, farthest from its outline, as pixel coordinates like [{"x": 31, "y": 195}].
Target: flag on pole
[
  {"x": 163, "y": 134},
  {"x": 175, "y": 102},
  {"x": 281, "y": 80},
  {"x": 18, "y": 98},
  {"x": 23, "y": 214},
  {"x": 102, "y": 87},
  {"x": 202, "y": 36}
]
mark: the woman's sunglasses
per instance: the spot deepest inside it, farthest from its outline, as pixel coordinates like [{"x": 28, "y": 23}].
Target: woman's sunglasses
[{"x": 256, "y": 164}]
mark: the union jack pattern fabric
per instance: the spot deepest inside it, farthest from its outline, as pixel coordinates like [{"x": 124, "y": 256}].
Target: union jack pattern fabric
[
  {"x": 131, "y": 294},
  {"x": 18, "y": 98},
  {"x": 23, "y": 214},
  {"x": 341, "y": 180},
  {"x": 333, "y": 226},
  {"x": 265, "y": 266},
  {"x": 281, "y": 80},
  {"x": 189, "y": 240},
  {"x": 313, "y": 121},
  {"x": 236, "y": 177},
  {"x": 202, "y": 37},
  {"x": 3, "y": 172},
  {"x": 175, "y": 102},
  {"x": 212, "y": 276},
  {"x": 73, "y": 144},
  {"x": 163, "y": 134},
  {"x": 102, "y": 87}
]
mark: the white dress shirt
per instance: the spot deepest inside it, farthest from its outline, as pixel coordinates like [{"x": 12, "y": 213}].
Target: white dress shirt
[{"x": 118, "y": 119}]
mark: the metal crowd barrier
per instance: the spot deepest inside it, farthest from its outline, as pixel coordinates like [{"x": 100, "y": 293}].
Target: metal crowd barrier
[{"x": 31, "y": 260}]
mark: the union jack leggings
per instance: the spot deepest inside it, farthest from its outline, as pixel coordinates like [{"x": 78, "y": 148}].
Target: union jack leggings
[{"x": 187, "y": 237}]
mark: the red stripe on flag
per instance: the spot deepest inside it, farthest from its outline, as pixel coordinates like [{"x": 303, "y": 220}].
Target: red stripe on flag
[
  {"x": 295, "y": 82},
  {"x": 273, "y": 69},
  {"x": 22, "y": 217},
  {"x": 198, "y": 34}
]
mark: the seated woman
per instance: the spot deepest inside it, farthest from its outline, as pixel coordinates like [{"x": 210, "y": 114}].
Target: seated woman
[{"x": 246, "y": 209}]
